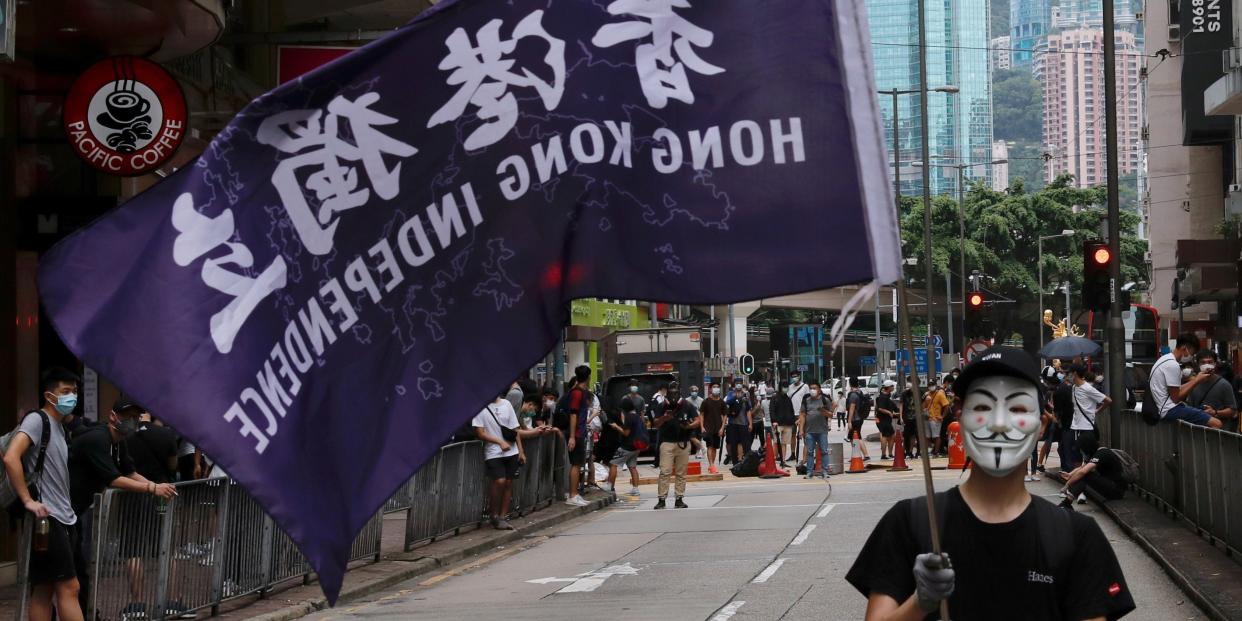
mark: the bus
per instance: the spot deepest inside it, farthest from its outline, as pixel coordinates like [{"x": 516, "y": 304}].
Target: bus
[{"x": 1142, "y": 332}]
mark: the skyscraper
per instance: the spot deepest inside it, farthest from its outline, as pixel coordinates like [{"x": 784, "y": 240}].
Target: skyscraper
[
  {"x": 1070, "y": 67},
  {"x": 960, "y": 124},
  {"x": 1029, "y": 22}
]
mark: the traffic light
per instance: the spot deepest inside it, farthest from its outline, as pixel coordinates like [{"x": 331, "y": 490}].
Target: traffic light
[
  {"x": 747, "y": 364},
  {"x": 974, "y": 323},
  {"x": 1097, "y": 259}
]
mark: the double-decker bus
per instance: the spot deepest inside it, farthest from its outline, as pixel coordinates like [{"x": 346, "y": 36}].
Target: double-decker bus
[{"x": 1142, "y": 332}]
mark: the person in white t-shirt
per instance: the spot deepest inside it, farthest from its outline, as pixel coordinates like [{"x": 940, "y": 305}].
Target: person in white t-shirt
[
  {"x": 1167, "y": 390},
  {"x": 1089, "y": 403},
  {"x": 497, "y": 427}
]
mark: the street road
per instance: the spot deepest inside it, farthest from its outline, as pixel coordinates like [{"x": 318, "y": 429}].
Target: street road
[{"x": 745, "y": 549}]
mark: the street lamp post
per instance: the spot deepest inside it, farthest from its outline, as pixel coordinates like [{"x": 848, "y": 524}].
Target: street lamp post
[{"x": 1064, "y": 233}]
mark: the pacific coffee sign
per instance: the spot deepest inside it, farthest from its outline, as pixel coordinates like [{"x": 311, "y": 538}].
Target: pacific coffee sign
[{"x": 125, "y": 116}]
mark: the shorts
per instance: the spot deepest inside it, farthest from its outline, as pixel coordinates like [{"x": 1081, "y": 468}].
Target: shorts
[
  {"x": 886, "y": 429},
  {"x": 625, "y": 457},
  {"x": 577, "y": 456},
  {"x": 503, "y": 467},
  {"x": 62, "y": 558},
  {"x": 604, "y": 452},
  {"x": 712, "y": 438},
  {"x": 933, "y": 429},
  {"x": 1194, "y": 416}
]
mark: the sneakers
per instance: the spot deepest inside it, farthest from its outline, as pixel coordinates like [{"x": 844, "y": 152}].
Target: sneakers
[
  {"x": 1028, "y": 478},
  {"x": 174, "y": 609},
  {"x": 711, "y": 470},
  {"x": 1035, "y": 476},
  {"x": 1067, "y": 504},
  {"x": 1082, "y": 499},
  {"x": 501, "y": 524},
  {"x": 577, "y": 501},
  {"x": 868, "y": 458},
  {"x": 680, "y": 504},
  {"x": 659, "y": 504},
  {"x": 810, "y": 475},
  {"x": 1040, "y": 468},
  {"x": 634, "y": 492}
]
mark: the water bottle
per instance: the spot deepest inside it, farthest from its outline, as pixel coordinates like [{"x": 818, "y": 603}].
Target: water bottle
[{"x": 41, "y": 529}]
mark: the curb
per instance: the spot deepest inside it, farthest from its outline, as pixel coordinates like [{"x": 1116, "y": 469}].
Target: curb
[
  {"x": 422, "y": 565},
  {"x": 1185, "y": 584}
]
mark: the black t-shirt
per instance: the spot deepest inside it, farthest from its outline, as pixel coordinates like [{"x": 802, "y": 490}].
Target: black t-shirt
[
  {"x": 150, "y": 449},
  {"x": 94, "y": 462},
  {"x": 1000, "y": 568},
  {"x": 907, "y": 405},
  {"x": 884, "y": 402},
  {"x": 683, "y": 413},
  {"x": 1063, "y": 405}
]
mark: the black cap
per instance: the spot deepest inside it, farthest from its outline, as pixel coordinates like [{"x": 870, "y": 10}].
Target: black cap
[
  {"x": 124, "y": 402},
  {"x": 1000, "y": 360}
]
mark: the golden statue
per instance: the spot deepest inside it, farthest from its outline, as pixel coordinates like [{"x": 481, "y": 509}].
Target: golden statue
[{"x": 1059, "y": 329}]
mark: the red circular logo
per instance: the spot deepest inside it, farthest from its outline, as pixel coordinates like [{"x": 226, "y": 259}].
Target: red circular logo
[{"x": 125, "y": 115}]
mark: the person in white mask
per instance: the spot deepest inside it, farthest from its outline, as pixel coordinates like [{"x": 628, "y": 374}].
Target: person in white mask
[
  {"x": 1005, "y": 553},
  {"x": 1168, "y": 388}
]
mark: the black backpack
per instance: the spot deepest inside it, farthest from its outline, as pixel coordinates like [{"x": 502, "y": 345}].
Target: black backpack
[
  {"x": 748, "y": 467},
  {"x": 560, "y": 416},
  {"x": 1151, "y": 410},
  {"x": 863, "y": 409}
]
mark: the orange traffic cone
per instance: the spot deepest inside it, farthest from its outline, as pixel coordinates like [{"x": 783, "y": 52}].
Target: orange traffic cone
[
  {"x": 768, "y": 469},
  {"x": 899, "y": 455},
  {"x": 856, "y": 460},
  {"x": 957, "y": 447}
]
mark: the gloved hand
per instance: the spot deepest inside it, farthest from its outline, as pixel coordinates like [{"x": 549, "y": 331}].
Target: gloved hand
[{"x": 934, "y": 577}]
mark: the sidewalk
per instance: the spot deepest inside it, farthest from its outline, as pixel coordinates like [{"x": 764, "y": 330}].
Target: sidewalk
[{"x": 1203, "y": 571}]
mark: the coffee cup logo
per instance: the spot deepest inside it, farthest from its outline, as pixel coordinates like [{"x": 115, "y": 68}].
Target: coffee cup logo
[{"x": 125, "y": 115}]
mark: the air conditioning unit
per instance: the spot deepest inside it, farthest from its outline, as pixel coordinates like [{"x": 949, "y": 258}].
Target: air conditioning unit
[{"x": 1175, "y": 32}]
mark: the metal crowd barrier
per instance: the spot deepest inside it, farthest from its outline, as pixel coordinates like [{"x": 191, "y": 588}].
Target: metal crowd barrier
[
  {"x": 1188, "y": 471},
  {"x": 213, "y": 542}
]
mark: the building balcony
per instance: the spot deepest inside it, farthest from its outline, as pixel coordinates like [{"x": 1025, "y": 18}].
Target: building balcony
[{"x": 1224, "y": 97}]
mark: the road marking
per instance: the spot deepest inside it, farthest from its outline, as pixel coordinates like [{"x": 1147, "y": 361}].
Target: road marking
[
  {"x": 589, "y": 581},
  {"x": 801, "y": 538},
  {"x": 728, "y": 611},
  {"x": 825, "y": 511},
  {"x": 769, "y": 572}
]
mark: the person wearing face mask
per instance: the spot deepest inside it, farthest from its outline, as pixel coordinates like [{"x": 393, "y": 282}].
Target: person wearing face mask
[
  {"x": 1005, "y": 553},
  {"x": 54, "y": 573},
  {"x": 99, "y": 459},
  {"x": 1063, "y": 407},
  {"x": 695, "y": 399},
  {"x": 737, "y": 432},
  {"x": 797, "y": 390},
  {"x": 640, "y": 404},
  {"x": 1214, "y": 396},
  {"x": 785, "y": 420},
  {"x": 1168, "y": 390},
  {"x": 714, "y": 411},
  {"x": 1089, "y": 405}
]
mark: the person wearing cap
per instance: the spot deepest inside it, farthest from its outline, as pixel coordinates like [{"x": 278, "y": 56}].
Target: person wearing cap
[
  {"x": 885, "y": 411},
  {"x": 99, "y": 459},
  {"x": 1005, "y": 553}
]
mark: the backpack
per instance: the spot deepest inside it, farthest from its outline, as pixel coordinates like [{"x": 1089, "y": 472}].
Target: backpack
[
  {"x": 863, "y": 409},
  {"x": 8, "y": 496},
  {"x": 748, "y": 467},
  {"x": 560, "y": 416},
  {"x": 1151, "y": 411},
  {"x": 1056, "y": 529},
  {"x": 1129, "y": 466}
]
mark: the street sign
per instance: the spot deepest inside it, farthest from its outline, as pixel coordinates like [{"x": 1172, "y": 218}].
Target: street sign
[
  {"x": 886, "y": 343},
  {"x": 867, "y": 361},
  {"x": 802, "y": 368},
  {"x": 937, "y": 341},
  {"x": 730, "y": 364},
  {"x": 974, "y": 349},
  {"x": 920, "y": 360}
]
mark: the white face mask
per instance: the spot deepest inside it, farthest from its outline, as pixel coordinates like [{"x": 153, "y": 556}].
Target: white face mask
[
  {"x": 1207, "y": 367},
  {"x": 1187, "y": 372},
  {"x": 1000, "y": 420},
  {"x": 716, "y": 392}
]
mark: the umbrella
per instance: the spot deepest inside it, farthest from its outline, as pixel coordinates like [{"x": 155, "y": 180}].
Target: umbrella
[{"x": 1068, "y": 347}]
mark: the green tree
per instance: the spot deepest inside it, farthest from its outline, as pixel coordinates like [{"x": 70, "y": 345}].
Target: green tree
[
  {"x": 1002, "y": 231},
  {"x": 1017, "y": 106},
  {"x": 1026, "y": 164}
]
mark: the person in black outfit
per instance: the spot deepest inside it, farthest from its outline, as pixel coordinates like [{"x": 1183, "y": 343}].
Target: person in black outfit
[
  {"x": 1005, "y": 554},
  {"x": 910, "y": 430},
  {"x": 785, "y": 420},
  {"x": 1103, "y": 474},
  {"x": 1063, "y": 407},
  {"x": 885, "y": 411}
]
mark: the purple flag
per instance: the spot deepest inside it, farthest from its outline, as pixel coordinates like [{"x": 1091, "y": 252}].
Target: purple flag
[{"x": 368, "y": 254}]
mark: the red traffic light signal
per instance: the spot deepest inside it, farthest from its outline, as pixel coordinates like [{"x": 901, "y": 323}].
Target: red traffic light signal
[
  {"x": 1102, "y": 255},
  {"x": 1097, "y": 258},
  {"x": 975, "y": 300}
]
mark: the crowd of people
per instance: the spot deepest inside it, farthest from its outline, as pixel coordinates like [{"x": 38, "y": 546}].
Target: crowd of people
[{"x": 57, "y": 462}]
